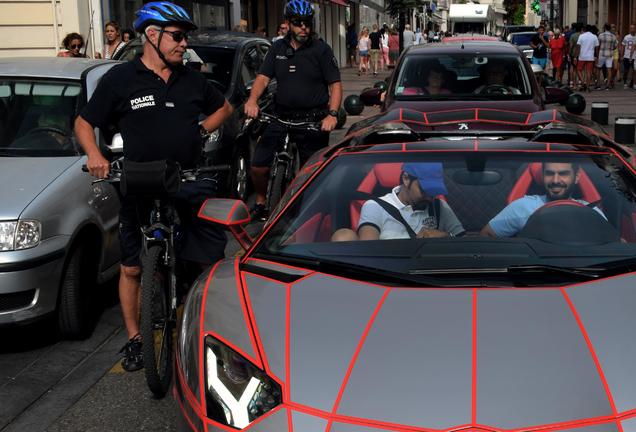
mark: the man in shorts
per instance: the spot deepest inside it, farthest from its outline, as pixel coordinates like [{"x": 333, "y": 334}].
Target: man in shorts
[
  {"x": 607, "y": 44},
  {"x": 586, "y": 51}
]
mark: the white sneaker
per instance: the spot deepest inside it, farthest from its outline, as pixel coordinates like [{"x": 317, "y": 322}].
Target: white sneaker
[
  {"x": 634, "y": 87},
  {"x": 625, "y": 86}
]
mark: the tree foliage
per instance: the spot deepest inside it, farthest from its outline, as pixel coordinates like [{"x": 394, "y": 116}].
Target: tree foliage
[
  {"x": 519, "y": 16},
  {"x": 395, "y": 7}
]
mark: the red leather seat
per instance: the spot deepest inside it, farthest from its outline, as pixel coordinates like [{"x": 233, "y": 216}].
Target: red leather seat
[{"x": 533, "y": 175}]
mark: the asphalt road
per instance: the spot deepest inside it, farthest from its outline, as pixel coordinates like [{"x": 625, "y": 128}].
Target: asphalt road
[{"x": 47, "y": 384}]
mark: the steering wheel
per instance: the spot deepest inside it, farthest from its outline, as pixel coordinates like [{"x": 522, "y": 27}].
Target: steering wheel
[
  {"x": 569, "y": 222},
  {"x": 496, "y": 89},
  {"x": 47, "y": 129},
  {"x": 62, "y": 139}
]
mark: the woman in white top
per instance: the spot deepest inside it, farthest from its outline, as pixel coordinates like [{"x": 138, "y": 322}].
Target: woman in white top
[
  {"x": 384, "y": 45},
  {"x": 112, "y": 31},
  {"x": 364, "y": 44}
]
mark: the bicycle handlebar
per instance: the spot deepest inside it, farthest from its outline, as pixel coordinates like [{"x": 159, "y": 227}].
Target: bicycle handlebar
[
  {"x": 116, "y": 170},
  {"x": 304, "y": 125}
]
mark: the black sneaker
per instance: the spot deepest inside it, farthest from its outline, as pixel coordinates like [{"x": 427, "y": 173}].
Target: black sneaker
[
  {"x": 133, "y": 357},
  {"x": 259, "y": 212}
]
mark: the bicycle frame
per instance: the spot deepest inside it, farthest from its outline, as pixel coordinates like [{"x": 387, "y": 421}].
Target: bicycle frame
[{"x": 160, "y": 231}]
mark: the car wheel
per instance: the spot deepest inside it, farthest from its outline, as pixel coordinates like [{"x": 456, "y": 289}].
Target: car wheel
[
  {"x": 78, "y": 280},
  {"x": 239, "y": 176}
]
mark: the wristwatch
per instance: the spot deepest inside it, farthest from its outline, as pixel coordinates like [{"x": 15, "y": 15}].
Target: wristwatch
[{"x": 333, "y": 113}]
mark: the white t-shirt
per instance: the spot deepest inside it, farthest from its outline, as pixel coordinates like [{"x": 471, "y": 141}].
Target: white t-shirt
[
  {"x": 385, "y": 40},
  {"x": 408, "y": 38},
  {"x": 588, "y": 41},
  {"x": 628, "y": 43},
  {"x": 373, "y": 214}
]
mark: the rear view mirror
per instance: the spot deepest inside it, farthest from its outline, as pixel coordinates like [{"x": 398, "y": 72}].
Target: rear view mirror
[
  {"x": 232, "y": 214},
  {"x": 556, "y": 95},
  {"x": 371, "y": 97}
]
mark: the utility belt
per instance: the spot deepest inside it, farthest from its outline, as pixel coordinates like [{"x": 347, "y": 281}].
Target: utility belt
[{"x": 309, "y": 115}]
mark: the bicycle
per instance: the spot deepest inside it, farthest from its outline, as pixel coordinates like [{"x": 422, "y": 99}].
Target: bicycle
[
  {"x": 160, "y": 279},
  {"x": 286, "y": 161}
]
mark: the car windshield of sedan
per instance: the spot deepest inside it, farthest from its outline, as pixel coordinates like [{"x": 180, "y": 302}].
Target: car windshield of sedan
[
  {"x": 36, "y": 117},
  {"x": 490, "y": 213},
  {"x": 462, "y": 76},
  {"x": 215, "y": 63},
  {"x": 522, "y": 38}
]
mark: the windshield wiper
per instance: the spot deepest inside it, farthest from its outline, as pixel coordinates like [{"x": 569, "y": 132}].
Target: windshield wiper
[
  {"x": 363, "y": 273},
  {"x": 580, "y": 273}
]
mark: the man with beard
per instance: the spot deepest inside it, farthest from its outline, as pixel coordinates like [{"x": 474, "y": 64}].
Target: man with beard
[
  {"x": 309, "y": 89},
  {"x": 559, "y": 180}
]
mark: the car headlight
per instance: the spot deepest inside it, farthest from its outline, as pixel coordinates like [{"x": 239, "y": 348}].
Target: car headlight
[
  {"x": 237, "y": 392},
  {"x": 17, "y": 235}
]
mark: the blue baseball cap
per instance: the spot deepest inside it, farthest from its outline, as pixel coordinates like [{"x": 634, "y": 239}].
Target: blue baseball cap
[{"x": 430, "y": 176}]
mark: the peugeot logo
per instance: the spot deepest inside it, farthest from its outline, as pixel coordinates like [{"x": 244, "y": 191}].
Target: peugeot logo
[{"x": 463, "y": 126}]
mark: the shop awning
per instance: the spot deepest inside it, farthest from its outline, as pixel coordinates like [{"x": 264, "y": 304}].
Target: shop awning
[{"x": 339, "y": 2}]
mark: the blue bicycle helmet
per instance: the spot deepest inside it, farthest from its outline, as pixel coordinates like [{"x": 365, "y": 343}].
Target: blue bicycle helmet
[
  {"x": 162, "y": 13},
  {"x": 299, "y": 8}
]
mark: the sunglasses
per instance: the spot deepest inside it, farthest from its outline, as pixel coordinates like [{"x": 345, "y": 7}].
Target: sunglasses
[
  {"x": 76, "y": 46},
  {"x": 296, "y": 22},
  {"x": 177, "y": 36}
]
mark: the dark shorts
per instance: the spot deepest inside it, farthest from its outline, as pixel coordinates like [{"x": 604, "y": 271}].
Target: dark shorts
[
  {"x": 200, "y": 241},
  {"x": 308, "y": 142}
]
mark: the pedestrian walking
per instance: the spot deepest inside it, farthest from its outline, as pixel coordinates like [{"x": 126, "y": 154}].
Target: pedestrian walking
[
  {"x": 627, "y": 53},
  {"x": 585, "y": 51},
  {"x": 408, "y": 37},
  {"x": 364, "y": 45},
  {"x": 394, "y": 47},
  {"x": 352, "y": 44},
  {"x": 384, "y": 46},
  {"x": 539, "y": 46},
  {"x": 607, "y": 43},
  {"x": 557, "y": 52},
  {"x": 573, "y": 73},
  {"x": 375, "y": 47}
]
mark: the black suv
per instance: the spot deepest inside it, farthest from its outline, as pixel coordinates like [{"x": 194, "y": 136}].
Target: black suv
[{"x": 230, "y": 61}]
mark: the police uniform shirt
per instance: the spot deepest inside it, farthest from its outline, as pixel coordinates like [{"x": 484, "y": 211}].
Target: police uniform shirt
[
  {"x": 303, "y": 75},
  {"x": 157, "y": 120}
]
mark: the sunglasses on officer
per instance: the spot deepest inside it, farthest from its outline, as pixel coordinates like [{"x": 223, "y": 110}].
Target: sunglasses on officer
[
  {"x": 298, "y": 22},
  {"x": 177, "y": 36}
]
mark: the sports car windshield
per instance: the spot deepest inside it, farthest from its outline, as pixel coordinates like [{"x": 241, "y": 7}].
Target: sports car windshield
[
  {"x": 462, "y": 76},
  {"x": 36, "y": 117},
  {"x": 482, "y": 213}
]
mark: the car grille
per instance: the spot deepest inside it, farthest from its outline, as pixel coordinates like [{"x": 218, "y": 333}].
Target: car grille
[{"x": 15, "y": 301}]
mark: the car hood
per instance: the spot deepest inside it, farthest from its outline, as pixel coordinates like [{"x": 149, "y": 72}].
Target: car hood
[
  {"x": 24, "y": 178},
  {"x": 430, "y": 358}
]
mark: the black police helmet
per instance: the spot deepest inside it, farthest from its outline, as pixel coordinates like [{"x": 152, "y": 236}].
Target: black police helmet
[
  {"x": 575, "y": 104},
  {"x": 353, "y": 105}
]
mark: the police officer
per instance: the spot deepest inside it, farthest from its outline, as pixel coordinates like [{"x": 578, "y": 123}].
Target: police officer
[
  {"x": 155, "y": 102},
  {"x": 309, "y": 89}
]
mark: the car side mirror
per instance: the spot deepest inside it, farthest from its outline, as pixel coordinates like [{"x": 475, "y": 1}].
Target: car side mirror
[
  {"x": 555, "y": 95},
  {"x": 116, "y": 144},
  {"x": 230, "y": 213},
  {"x": 371, "y": 97}
]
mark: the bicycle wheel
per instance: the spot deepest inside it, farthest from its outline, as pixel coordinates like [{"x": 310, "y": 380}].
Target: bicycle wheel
[
  {"x": 276, "y": 186},
  {"x": 157, "y": 322}
]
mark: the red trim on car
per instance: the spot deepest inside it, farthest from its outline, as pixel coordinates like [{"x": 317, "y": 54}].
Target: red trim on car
[
  {"x": 473, "y": 408},
  {"x": 356, "y": 353},
  {"x": 597, "y": 362},
  {"x": 287, "y": 388}
]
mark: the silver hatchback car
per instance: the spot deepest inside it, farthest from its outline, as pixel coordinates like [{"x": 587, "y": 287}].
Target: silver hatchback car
[{"x": 58, "y": 231}]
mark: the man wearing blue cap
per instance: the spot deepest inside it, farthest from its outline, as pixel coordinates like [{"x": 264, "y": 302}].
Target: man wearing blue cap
[{"x": 415, "y": 200}]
